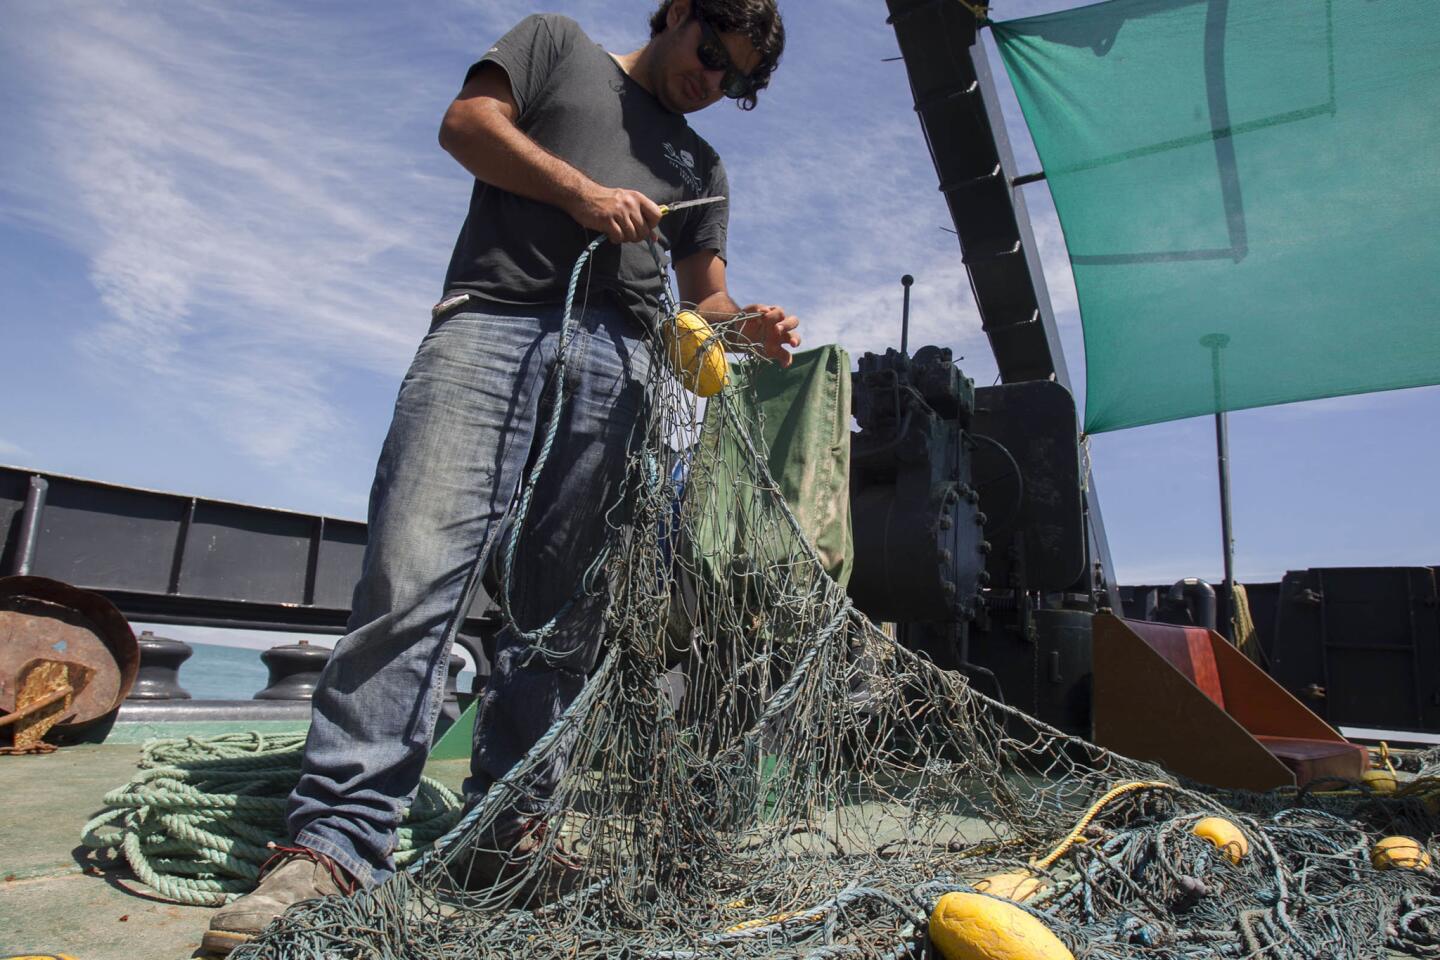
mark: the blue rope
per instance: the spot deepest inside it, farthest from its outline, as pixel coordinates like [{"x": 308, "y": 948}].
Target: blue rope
[
  {"x": 568, "y": 327},
  {"x": 567, "y": 333}
]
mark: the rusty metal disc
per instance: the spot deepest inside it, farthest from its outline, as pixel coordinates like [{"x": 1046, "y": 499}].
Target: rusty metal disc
[{"x": 41, "y": 618}]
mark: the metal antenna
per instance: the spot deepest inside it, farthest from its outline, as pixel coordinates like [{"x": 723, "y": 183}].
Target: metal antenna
[{"x": 906, "y": 281}]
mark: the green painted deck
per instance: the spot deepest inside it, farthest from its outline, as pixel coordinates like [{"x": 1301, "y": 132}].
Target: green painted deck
[{"x": 54, "y": 898}]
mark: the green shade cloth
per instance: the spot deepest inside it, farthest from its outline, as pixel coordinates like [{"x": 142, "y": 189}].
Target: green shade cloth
[{"x": 1250, "y": 194}]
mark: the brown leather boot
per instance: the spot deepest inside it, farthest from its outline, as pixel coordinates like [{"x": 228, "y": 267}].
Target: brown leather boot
[
  {"x": 292, "y": 875},
  {"x": 523, "y": 865}
]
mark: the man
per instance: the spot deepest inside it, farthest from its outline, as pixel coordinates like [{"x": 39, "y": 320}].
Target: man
[{"x": 565, "y": 142}]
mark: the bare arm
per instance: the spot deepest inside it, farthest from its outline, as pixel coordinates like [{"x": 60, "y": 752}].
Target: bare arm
[
  {"x": 701, "y": 277},
  {"x": 479, "y": 132}
]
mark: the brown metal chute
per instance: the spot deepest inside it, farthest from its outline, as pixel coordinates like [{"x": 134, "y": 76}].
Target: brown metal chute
[{"x": 1185, "y": 698}]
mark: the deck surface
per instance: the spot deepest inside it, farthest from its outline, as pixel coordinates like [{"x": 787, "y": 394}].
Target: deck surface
[{"x": 54, "y": 898}]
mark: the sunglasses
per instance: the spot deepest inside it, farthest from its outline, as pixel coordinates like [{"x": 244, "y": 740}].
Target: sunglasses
[{"x": 713, "y": 56}]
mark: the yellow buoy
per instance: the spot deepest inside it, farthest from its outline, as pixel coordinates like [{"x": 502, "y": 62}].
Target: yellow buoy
[
  {"x": 1224, "y": 835},
  {"x": 1019, "y": 886},
  {"x": 696, "y": 353},
  {"x": 1381, "y": 781},
  {"x": 1399, "y": 853},
  {"x": 969, "y": 926}
]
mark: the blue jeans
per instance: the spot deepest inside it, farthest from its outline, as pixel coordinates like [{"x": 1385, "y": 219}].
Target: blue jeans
[{"x": 471, "y": 411}]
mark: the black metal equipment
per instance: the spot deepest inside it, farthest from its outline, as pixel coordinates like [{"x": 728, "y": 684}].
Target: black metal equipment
[
  {"x": 967, "y": 514},
  {"x": 160, "y": 661},
  {"x": 1191, "y": 602},
  {"x": 169, "y": 558},
  {"x": 294, "y": 670},
  {"x": 918, "y": 549},
  {"x": 977, "y": 526},
  {"x": 1361, "y": 646},
  {"x": 955, "y": 100}
]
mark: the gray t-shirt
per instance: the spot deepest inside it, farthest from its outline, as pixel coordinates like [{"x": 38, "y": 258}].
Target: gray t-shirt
[{"x": 576, "y": 102}]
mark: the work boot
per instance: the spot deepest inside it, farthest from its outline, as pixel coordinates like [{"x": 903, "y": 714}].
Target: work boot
[
  {"x": 520, "y": 863},
  {"x": 292, "y": 875}
]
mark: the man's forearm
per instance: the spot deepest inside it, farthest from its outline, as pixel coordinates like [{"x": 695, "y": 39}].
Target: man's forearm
[
  {"x": 719, "y": 310},
  {"x": 479, "y": 131},
  {"x": 718, "y": 307},
  {"x": 497, "y": 152}
]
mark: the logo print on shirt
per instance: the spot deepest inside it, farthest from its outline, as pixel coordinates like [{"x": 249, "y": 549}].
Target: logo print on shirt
[{"x": 684, "y": 161}]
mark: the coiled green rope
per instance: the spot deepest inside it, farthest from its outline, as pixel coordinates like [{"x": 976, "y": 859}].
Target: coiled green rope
[{"x": 194, "y": 823}]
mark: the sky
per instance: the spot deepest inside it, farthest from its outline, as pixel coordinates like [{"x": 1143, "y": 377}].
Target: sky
[{"x": 222, "y": 227}]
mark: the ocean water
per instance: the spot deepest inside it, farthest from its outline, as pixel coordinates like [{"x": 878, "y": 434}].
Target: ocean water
[
  {"x": 223, "y": 673},
  {"x": 216, "y": 672}
]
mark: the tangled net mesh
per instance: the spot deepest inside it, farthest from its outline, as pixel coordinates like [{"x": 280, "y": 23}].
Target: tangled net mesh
[{"x": 757, "y": 770}]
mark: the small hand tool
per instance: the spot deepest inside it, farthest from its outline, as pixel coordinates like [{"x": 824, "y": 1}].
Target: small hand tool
[{"x": 682, "y": 204}]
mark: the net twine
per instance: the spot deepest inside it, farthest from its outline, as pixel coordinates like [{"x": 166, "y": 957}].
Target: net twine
[{"x": 817, "y": 787}]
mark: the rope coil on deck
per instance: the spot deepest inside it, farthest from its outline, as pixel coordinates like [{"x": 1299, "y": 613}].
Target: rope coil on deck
[{"x": 194, "y": 823}]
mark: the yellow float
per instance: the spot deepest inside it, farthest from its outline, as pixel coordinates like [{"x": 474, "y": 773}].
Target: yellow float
[
  {"x": 1021, "y": 885},
  {"x": 696, "y": 353},
  {"x": 1226, "y": 837},
  {"x": 1399, "y": 853},
  {"x": 1380, "y": 781},
  {"x": 970, "y": 926}
]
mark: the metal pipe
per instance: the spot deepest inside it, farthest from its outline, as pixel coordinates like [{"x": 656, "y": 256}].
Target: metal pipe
[
  {"x": 30, "y": 526},
  {"x": 906, "y": 281},
  {"x": 1222, "y": 448},
  {"x": 860, "y": 456},
  {"x": 1217, "y": 342},
  {"x": 1199, "y": 597}
]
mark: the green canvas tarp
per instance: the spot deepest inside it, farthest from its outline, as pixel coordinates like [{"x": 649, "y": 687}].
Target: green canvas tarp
[
  {"x": 803, "y": 415},
  {"x": 803, "y": 412},
  {"x": 1250, "y": 195}
]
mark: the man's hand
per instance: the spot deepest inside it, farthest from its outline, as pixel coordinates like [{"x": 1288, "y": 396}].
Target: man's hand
[
  {"x": 625, "y": 216},
  {"x": 772, "y": 331},
  {"x": 701, "y": 277}
]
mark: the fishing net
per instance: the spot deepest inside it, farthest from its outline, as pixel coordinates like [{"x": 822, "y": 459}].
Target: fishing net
[{"x": 755, "y": 769}]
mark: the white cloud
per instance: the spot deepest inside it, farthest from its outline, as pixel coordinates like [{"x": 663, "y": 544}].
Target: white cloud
[{"x": 243, "y": 239}]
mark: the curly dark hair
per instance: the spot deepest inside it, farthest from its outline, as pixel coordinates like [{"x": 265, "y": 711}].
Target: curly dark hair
[{"x": 758, "y": 20}]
